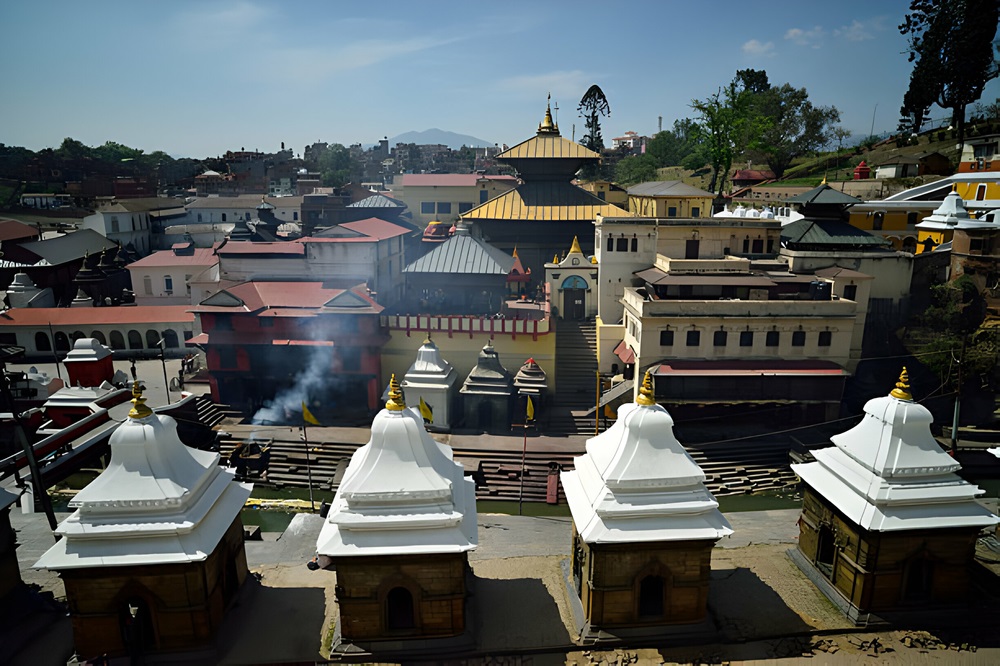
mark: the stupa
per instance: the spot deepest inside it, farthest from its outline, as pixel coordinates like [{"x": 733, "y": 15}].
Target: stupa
[
  {"x": 153, "y": 553},
  {"x": 398, "y": 533},
  {"x": 433, "y": 380},
  {"x": 886, "y": 521},
  {"x": 644, "y": 524},
  {"x": 488, "y": 393}
]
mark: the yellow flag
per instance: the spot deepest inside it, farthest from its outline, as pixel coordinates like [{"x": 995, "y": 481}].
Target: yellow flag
[
  {"x": 426, "y": 411},
  {"x": 307, "y": 415},
  {"x": 531, "y": 409}
]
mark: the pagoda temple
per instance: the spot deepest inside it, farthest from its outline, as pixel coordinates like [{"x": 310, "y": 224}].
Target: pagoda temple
[
  {"x": 546, "y": 209},
  {"x": 153, "y": 553},
  {"x": 643, "y": 524},
  {"x": 530, "y": 382},
  {"x": 488, "y": 393},
  {"x": 886, "y": 522},
  {"x": 434, "y": 381},
  {"x": 398, "y": 533}
]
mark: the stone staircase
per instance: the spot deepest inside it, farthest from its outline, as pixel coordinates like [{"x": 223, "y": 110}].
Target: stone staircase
[{"x": 576, "y": 379}]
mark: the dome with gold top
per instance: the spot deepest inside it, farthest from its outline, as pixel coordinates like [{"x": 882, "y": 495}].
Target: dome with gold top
[
  {"x": 402, "y": 493},
  {"x": 637, "y": 483}
]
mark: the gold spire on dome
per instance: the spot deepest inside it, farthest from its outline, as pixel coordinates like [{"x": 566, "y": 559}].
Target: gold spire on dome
[
  {"x": 515, "y": 252},
  {"x": 824, "y": 180},
  {"x": 575, "y": 247},
  {"x": 547, "y": 126},
  {"x": 555, "y": 258},
  {"x": 139, "y": 409},
  {"x": 593, "y": 259},
  {"x": 902, "y": 390},
  {"x": 646, "y": 392},
  {"x": 395, "y": 402}
]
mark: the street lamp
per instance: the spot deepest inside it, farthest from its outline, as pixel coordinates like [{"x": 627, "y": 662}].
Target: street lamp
[{"x": 163, "y": 359}]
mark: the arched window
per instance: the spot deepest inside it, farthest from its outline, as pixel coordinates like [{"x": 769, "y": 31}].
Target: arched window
[
  {"x": 651, "y": 592},
  {"x": 97, "y": 335},
  {"x": 170, "y": 339},
  {"x": 42, "y": 342},
  {"x": 117, "y": 340},
  {"x": 62, "y": 342},
  {"x": 399, "y": 609},
  {"x": 77, "y": 335},
  {"x": 134, "y": 339},
  {"x": 152, "y": 339}
]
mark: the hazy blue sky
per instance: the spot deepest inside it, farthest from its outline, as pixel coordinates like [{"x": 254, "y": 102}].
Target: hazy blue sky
[{"x": 198, "y": 78}]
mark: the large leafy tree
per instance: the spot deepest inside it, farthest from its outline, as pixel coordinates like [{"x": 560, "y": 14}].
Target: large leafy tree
[
  {"x": 635, "y": 169},
  {"x": 951, "y": 46},
  {"x": 790, "y": 126},
  {"x": 678, "y": 146},
  {"x": 592, "y": 106}
]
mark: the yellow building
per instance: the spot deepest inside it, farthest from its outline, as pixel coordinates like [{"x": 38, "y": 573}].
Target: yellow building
[
  {"x": 605, "y": 190},
  {"x": 669, "y": 198},
  {"x": 445, "y": 196}
]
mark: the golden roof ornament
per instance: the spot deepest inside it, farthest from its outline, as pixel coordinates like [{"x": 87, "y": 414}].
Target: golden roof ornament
[
  {"x": 593, "y": 259},
  {"x": 427, "y": 340},
  {"x": 575, "y": 247},
  {"x": 902, "y": 390},
  {"x": 824, "y": 180},
  {"x": 395, "y": 402},
  {"x": 555, "y": 258},
  {"x": 645, "y": 396},
  {"x": 515, "y": 252},
  {"x": 547, "y": 126},
  {"x": 139, "y": 409}
]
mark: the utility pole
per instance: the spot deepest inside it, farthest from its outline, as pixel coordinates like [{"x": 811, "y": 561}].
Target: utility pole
[{"x": 958, "y": 401}]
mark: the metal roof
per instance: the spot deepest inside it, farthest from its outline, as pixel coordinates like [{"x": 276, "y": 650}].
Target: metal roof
[
  {"x": 667, "y": 188},
  {"x": 824, "y": 195},
  {"x": 377, "y": 201},
  {"x": 90, "y": 317},
  {"x": 72, "y": 246},
  {"x": 449, "y": 179},
  {"x": 658, "y": 277},
  {"x": 244, "y": 201},
  {"x": 828, "y": 232},
  {"x": 463, "y": 254},
  {"x": 545, "y": 201},
  {"x": 550, "y": 146},
  {"x": 15, "y": 230}
]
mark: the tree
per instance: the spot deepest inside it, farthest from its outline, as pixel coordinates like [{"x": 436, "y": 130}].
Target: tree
[
  {"x": 592, "y": 106},
  {"x": 674, "y": 146},
  {"x": 334, "y": 164},
  {"x": 721, "y": 116},
  {"x": 635, "y": 169},
  {"x": 794, "y": 126},
  {"x": 951, "y": 46}
]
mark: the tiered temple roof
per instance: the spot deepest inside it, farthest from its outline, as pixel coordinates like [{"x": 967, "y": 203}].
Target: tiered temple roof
[
  {"x": 888, "y": 473},
  {"x": 530, "y": 379},
  {"x": 636, "y": 483},
  {"x": 489, "y": 376}
]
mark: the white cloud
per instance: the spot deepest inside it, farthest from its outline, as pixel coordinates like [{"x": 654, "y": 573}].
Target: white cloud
[
  {"x": 860, "y": 31},
  {"x": 757, "y": 48},
  {"x": 812, "y": 37},
  {"x": 562, "y": 84}
]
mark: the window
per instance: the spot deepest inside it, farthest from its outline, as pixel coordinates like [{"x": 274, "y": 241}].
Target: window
[
  {"x": 484, "y": 196},
  {"x": 621, "y": 245},
  {"x": 981, "y": 193},
  {"x": 878, "y": 220},
  {"x": 187, "y": 283},
  {"x": 295, "y": 216},
  {"x": 223, "y": 217},
  {"x": 693, "y": 338},
  {"x": 825, "y": 338},
  {"x": 601, "y": 195},
  {"x": 798, "y": 338},
  {"x": 695, "y": 211},
  {"x": 635, "y": 244},
  {"x": 147, "y": 285},
  {"x": 746, "y": 338},
  {"x": 772, "y": 339},
  {"x": 168, "y": 284},
  {"x": 426, "y": 207},
  {"x": 746, "y": 245},
  {"x": 42, "y": 343},
  {"x": 444, "y": 208},
  {"x": 611, "y": 244},
  {"x": 199, "y": 217},
  {"x": 719, "y": 338},
  {"x": 911, "y": 220},
  {"x": 464, "y": 207},
  {"x": 851, "y": 292},
  {"x": 666, "y": 338},
  {"x": 758, "y": 246},
  {"x": 672, "y": 211}
]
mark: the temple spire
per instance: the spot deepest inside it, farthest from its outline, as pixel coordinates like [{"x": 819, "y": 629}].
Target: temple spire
[
  {"x": 139, "y": 409},
  {"x": 547, "y": 125},
  {"x": 395, "y": 402},
  {"x": 902, "y": 390},
  {"x": 646, "y": 392},
  {"x": 575, "y": 247}
]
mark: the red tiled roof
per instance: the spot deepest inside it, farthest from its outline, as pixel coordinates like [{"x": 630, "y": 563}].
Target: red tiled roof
[
  {"x": 448, "y": 179},
  {"x": 249, "y": 247},
  {"x": 376, "y": 228},
  {"x": 623, "y": 352},
  {"x": 746, "y": 367},
  {"x": 297, "y": 299},
  {"x": 203, "y": 256},
  {"x": 14, "y": 230},
  {"x": 86, "y": 317},
  {"x": 753, "y": 174}
]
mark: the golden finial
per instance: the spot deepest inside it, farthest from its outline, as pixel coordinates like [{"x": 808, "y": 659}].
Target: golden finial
[
  {"x": 575, "y": 247},
  {"x": 395, "y": 402},
  {"x": 555, "y": 258},
  {"x": 515, "y": 252},
  {"x": 547, "y": 126},
  {"x": 902, "y": 390},
  {"x": 427, "y": 340},
  {"x": 139, "y": 409},
  {"x": 824, "y": 180},
  {"x": 646, "y": 392},
  {"x": 593, "y": 259}
]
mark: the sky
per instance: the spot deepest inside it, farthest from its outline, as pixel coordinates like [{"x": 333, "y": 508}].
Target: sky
[{"x": 198, "y": 78}]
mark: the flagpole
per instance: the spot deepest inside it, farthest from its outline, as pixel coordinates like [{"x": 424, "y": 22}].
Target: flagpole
[{"x": 305, "y": 438}]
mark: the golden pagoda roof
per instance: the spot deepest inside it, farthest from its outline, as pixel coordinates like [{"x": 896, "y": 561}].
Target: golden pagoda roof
[
  {"x": 551, "y": 146},
  {"x": 543, "y": 201}
]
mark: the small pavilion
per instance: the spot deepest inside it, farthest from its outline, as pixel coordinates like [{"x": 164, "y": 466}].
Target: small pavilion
[
  {"x": 488, "y": 393},
  {"x": 433, "y": 380},
  {"x": 887, "y": 524},
  {"x": 643, "y": 524},
  {"x": 398, "y": 534},
  {"x": 530, "y": 381},
  {"x": 153, "y": 553}
]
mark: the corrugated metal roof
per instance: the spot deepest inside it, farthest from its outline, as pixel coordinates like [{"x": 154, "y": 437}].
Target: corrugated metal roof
[
  {"x": 545, "y": 201},
  {"x": 551, "y": 146},
  {"x": 72, "y": 246},
  {"x": 463, "y": 254},
  {"x": 828, "y": 232},
  {"x": 667, "y": 188},
  {"x": 824, "y": 194},
  {"x": 377, "y": 201}
]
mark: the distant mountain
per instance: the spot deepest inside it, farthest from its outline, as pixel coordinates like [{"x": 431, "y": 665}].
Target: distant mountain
[{"x": 437, "y": 136}]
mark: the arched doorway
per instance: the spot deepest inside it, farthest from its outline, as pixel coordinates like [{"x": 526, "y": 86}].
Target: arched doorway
[
  {"x": 136, "y": 625},
  {"x": 170, "y": 339},
  {"x": 574, "y": 291},
  {"x": 97, "y": 335},
  {"x": 117, "y": 340},
  {"x": 918, "y": 579},
  {"x": 42, "y": 342},
  {"x": 62, "y": 342},
  {"x": 399, "y": 612},
  {"x": 825, "y": 550},
  {"x": 652, "y": 590},
  {"x": 152, "y": 339},
  {"x": 78, "y": 335},
  {"x": 134, "y": 339}
]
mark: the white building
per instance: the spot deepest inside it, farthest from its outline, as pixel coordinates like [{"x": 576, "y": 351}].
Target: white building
[{"x": 164, "y": 277}]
